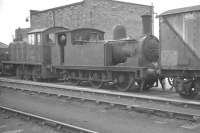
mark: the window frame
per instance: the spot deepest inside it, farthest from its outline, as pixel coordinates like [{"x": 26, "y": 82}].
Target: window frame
[
  {"x": 38, "y": 38},
  {"x": 50, "y": 38},
  {"x": 31, "y": 39}
]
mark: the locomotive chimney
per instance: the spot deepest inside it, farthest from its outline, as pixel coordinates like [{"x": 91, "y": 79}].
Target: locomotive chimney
[{"x": 147, "y": 24}]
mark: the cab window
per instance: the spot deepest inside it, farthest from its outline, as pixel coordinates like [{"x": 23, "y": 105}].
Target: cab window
[
  {"x": 93, "y": 37},
  {"x": 85, "y": 36},
  {"x": 81, "y": 38}
]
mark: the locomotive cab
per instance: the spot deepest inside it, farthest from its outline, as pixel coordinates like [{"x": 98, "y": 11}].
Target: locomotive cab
[
  {"x": 75, "y": 47},
  {"x": 42, "y": 41}
]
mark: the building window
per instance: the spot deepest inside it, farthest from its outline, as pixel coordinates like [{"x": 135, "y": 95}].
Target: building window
[{"x": 31, "y": 39}]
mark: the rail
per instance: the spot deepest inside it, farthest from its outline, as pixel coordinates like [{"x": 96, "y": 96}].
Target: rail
[{"x": 59, "y": 125}]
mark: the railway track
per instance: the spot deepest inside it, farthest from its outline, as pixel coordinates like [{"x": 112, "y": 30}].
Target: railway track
[
  {"x": 64, "y": 127},
  {"x": 171, "y": 108}
]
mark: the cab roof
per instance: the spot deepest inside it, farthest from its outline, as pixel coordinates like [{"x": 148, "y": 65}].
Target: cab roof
[
  {"x": 78, "y": 29},
  {"x": 47, "y": 29}
]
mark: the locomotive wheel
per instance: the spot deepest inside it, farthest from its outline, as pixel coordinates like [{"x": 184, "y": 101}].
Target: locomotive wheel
[
  {"x": 27, "y": 77},
  {"x": 145, "y": 86},
  {"x": 124, "y": 82},
  {"x": 36, "y": 74},
  {"x": 66, "y": 77},
  {"x": 35, "y": 78},
  {"x": 190, "y": 94},
  {"x": 74, "y": 78},
  {"x": 187, "y": 89},
  {"x": 95, "y": 80},
  {"x": 84, "y": 76},
  {"x": 75, "y": 82},
  {"x": 19, "y": 73},
  {"x": 135, "y": 86}
]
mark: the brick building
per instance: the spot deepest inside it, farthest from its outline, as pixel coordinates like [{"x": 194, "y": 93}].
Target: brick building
[{"x": 100, "y": 14}]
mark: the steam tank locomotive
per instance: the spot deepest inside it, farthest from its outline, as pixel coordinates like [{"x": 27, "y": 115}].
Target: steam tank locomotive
[{"x": 124, "y": 62}]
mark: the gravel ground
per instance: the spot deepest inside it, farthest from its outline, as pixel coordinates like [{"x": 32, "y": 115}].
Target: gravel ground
[
  {"x": 102, "y": 118},
  {"x": 10, "y": 124}
]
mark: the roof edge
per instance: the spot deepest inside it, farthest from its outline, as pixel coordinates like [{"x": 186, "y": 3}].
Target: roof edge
[
  {"x": 181, "y": 10},
  {"x": 85, "y": 29},
  {"x": 46, "y": 29},
  {"x": 34, "y": 12},
  {"x": 3, "y": 45},
  {"x": 123, "y": 2}
]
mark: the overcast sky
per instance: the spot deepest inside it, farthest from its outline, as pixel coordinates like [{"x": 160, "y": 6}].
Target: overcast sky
[{"x": 14, "y": 12}]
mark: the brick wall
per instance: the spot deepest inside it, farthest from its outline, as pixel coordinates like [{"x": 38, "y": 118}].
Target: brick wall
[{"x": 100, "y": 14}]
